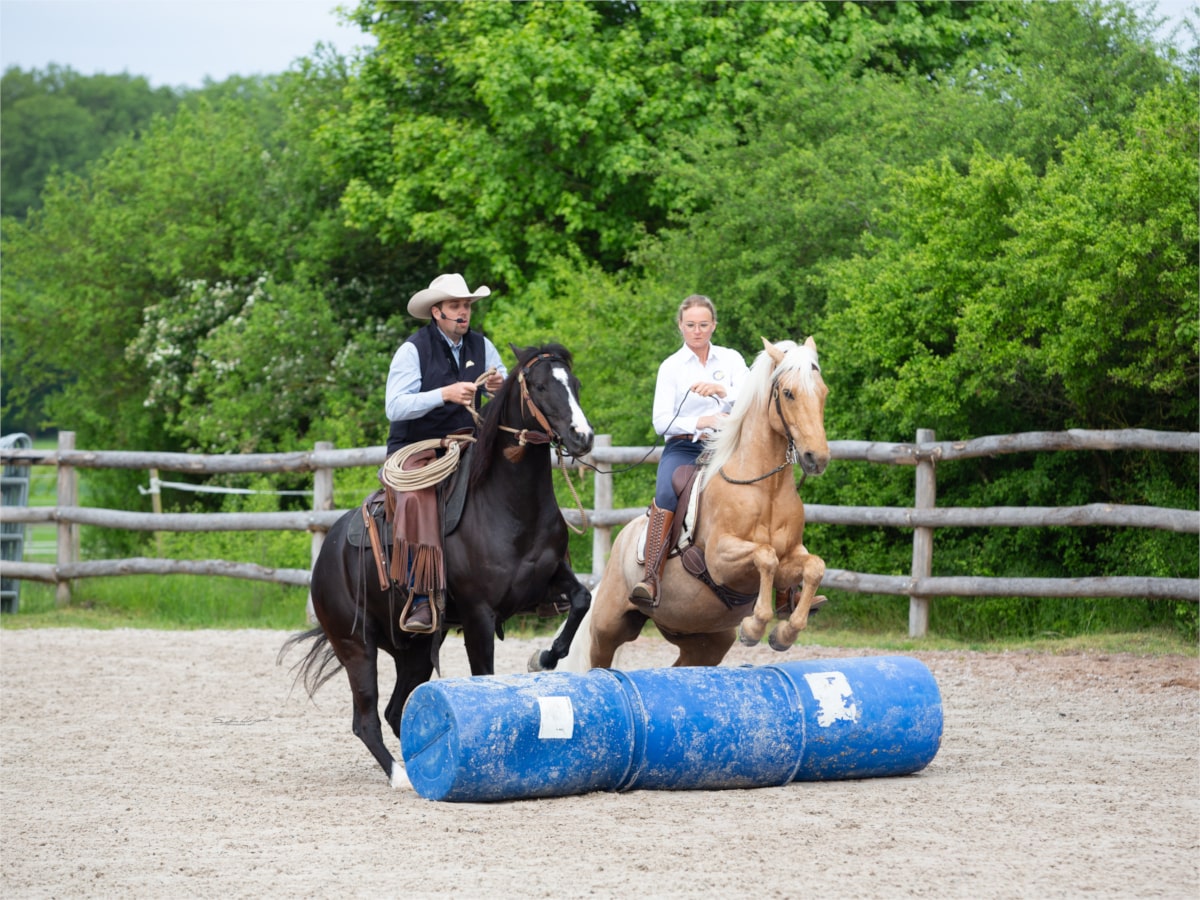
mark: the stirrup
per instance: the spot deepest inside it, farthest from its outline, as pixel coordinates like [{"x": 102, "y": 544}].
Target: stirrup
[{"x": 406, "y": 614}]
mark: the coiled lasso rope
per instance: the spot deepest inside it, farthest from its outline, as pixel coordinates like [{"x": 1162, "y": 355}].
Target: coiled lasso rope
[{"x": 393, "y": 473}]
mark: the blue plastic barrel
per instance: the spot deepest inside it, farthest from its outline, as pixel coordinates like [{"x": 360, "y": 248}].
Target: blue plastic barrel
[{"x": 554, "y": 734}]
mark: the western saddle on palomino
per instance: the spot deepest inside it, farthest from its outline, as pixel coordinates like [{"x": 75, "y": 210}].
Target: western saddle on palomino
[{"x": 677, "y": 541}]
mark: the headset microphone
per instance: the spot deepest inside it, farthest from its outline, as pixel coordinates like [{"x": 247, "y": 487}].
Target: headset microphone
[{"x": 446, "y": 318}]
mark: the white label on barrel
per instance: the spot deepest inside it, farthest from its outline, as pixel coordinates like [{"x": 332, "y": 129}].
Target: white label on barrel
[
  {"x": 558, "y": 717},
  {"x": 834, "y": 698}
]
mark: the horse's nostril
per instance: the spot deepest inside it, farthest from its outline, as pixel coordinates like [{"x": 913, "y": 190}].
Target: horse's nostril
[{"x": 812, "y": 463}]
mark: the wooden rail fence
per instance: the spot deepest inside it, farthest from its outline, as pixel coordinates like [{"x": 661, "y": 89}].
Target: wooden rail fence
[{"x": 923, "y": 517}]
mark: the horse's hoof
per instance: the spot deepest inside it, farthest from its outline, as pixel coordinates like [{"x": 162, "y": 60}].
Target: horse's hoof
[
  {"x": 540, "y": 661},
  {"x": 399, "y": 779},
  {"x": 747, "y": 635},
  {"x": 777, "y": 641}
]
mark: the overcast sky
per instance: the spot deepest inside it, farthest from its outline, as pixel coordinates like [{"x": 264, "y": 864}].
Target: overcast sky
[
  {"x": 178, "y": 42},
  {"x": 172, "y": 43}
]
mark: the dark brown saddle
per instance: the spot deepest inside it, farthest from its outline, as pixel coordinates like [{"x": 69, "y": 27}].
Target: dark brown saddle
[{"x": 377, "y": 522}]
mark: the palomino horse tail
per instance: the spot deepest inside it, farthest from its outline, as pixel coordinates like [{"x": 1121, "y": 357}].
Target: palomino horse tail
[{"x": 318, "y": 665}]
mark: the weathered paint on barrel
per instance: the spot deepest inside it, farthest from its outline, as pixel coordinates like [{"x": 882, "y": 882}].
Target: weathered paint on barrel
[{"x": 554, "y": 734}]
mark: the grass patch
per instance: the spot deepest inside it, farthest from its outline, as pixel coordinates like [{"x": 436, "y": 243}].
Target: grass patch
[
  {"x": 180, "y": 602},
  {"x": 163, "y": 602}
]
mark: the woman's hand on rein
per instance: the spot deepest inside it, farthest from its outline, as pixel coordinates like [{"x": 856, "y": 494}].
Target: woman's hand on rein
[{"x": 707, "y": 389}]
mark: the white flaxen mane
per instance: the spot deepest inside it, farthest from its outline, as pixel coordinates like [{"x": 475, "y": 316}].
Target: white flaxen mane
[{"x": 799, "y": 361}]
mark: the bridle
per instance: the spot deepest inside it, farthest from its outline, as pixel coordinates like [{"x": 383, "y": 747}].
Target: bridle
[
  {"x": 525, "y": 436},
  {"x": 790, "y": 456},
  {"x": 547, "y": 435}
]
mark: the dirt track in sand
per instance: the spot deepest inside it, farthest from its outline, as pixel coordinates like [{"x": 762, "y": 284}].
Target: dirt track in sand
[{"x": 173, "y": 764}]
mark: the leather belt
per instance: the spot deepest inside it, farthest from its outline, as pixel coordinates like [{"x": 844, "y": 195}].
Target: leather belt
[{"x": 680, "y": 437}]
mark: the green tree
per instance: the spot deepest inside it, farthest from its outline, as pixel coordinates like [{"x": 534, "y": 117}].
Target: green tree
[
  {"x": 994, "y": 300},
  {"x": 223, "y": 194},
  {"x": 59, "y": 120},
  {"x": 509, "y": 135},
  {"x": 760, "y": 209}
]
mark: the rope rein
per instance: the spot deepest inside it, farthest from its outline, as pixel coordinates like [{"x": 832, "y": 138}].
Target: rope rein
[{"x": 562, "y": 464}]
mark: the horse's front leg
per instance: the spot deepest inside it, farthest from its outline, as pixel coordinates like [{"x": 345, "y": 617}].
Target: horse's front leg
[
  {"x": 732, "y": 554},
  {"x": 812, "y": 570},
  {"x": 564, "y": 585}
]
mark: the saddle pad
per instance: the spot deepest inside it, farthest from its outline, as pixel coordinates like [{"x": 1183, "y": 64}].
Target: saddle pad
[
  {"x": 356, "y": 533},
  {"x": 453, "y": 491}
]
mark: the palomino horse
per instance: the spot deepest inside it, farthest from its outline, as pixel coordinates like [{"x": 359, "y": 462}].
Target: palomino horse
[
  {"x": 749, "y": 528},
  {"x": 507, "y": 555}
]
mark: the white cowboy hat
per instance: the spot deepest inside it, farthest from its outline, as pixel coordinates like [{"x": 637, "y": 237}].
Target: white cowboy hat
[{"x": 445, "y": 287}]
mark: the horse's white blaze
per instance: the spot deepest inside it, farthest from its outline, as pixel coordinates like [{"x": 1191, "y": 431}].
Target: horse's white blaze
[{"x": 579, "y": 422}]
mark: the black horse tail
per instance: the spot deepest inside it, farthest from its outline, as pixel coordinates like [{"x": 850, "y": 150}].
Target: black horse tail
[{"x": 319, "y": 664}]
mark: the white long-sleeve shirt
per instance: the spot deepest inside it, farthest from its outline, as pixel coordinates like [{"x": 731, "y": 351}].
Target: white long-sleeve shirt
[{"x": 676, "y": 409}]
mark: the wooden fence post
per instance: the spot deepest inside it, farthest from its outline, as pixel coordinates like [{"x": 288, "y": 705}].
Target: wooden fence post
[
  {"x": 922, "y": 558},
  {"x": 156, "y": 507},
  {"x": 67, "y": 550},
  {"x": 602, "y": 500},
  {"x": 322, "y": 502}
]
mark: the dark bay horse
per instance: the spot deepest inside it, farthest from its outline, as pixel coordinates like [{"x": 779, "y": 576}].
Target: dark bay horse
[
  {"x": 749, "y": 530},
  {"x": 507, "y": 555}
]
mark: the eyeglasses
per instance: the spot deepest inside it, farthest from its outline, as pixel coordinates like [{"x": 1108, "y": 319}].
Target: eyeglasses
[{"x": 697, "y": 326}]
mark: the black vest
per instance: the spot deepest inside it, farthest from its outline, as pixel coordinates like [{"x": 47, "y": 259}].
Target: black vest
[{"x": 438, "y": 369}]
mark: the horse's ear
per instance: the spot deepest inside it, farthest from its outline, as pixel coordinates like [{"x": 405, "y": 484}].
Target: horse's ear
[
  {"x": 516, "y": 351},
  {"x": 810, "y": 344},
  {"x": 772, "y": 351}
]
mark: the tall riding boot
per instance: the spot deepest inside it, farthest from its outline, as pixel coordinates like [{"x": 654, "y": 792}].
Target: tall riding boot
[{"x": 657, "y": 552}]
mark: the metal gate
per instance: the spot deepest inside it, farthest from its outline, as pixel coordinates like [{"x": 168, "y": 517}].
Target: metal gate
[{"x": 14, "y": 485}]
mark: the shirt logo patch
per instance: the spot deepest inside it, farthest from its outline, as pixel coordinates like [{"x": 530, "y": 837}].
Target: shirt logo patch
[{"x": 719, "y": 375}]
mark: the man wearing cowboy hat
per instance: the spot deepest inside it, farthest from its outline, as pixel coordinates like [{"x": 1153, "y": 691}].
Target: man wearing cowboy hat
[{"x": 431, "y": 383}]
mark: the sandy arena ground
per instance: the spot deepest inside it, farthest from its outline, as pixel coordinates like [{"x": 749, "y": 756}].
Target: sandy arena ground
[{"x": 183, "y": 764}]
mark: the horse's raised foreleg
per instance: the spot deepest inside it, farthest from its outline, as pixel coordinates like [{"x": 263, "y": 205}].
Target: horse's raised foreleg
[
  {"x": 731, "y": 554},
  {"x": 812, "y": 570},
  {"x": 563, "y": 585}
]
